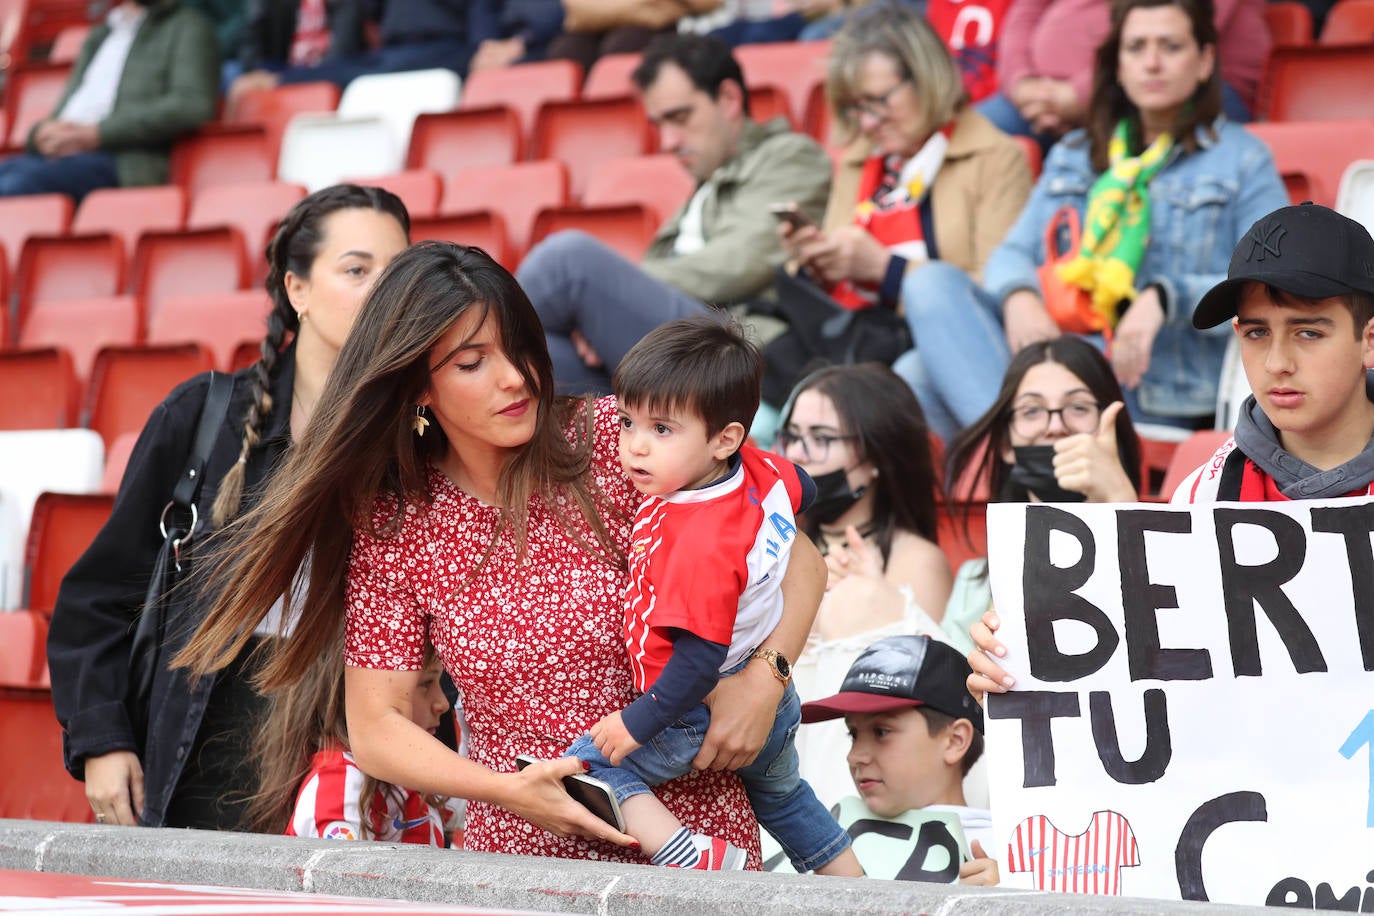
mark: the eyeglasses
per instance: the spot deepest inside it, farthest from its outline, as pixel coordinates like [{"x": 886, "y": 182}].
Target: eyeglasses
[
  {"x": 875, "y": 106},
  {"x": 1077, "y": 416},
  {"x": 815, "y": 446}
]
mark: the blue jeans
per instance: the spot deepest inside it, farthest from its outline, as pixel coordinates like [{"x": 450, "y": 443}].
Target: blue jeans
[
  {"x": 783, "y": 801},
  {"x": 961, "y": 350},
  {"x": 577, "y": 283},
  {"x": 76, "y": 175}
]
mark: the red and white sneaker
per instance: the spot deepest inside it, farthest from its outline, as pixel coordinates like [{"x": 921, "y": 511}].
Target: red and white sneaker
[{"x": 718, "y": 855}]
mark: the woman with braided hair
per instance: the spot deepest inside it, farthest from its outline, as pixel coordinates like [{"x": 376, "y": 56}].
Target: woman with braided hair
[{"x": 194, "y": 768}]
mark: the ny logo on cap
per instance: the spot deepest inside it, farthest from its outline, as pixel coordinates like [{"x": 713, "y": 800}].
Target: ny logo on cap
[{"x": 1265, "y": 239}]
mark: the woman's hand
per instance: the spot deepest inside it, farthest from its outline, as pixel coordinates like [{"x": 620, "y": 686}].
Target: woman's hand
[
  {"x": 1135, "y": 336},
  {"x": 743, "y": 707},
  {"x": 1026, "y": 320},
  {"x": 1089, "y": 463},
  {"x": 847, "y": 253},
  {"x": 857, "y": 558},
  {"x": 987, "y": 674},
  {"x": 114, "y": 787},
  {"x": 539, "y": 797}
]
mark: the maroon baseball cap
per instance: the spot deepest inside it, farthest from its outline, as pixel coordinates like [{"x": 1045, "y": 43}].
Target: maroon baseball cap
[{"x": 900, "y": 672}]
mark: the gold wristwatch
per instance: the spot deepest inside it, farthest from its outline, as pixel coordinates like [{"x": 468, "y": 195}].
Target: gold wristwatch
[{"x": 782, "y": 668}]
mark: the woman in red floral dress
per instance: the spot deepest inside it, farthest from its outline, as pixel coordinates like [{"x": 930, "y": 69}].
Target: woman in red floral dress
[{"x": 469, "y": 503}]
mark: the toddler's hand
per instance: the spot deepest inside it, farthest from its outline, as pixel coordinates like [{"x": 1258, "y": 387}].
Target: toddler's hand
[{"x": 613, "y": 738}]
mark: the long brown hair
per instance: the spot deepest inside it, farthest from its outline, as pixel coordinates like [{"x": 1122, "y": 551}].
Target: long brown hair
[
  {"x": 293, "y": 249},
  {"x": 876, "y": 407},
  {"x": 1108, "y": 103},
  {"x": 975, "y": 456},
  {"x": 359, "y": 447}
]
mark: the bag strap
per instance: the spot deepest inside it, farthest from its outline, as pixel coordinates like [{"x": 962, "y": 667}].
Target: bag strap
[
  {"x": 212, "y": 415},
  {"x": 1064, "y": 216}
]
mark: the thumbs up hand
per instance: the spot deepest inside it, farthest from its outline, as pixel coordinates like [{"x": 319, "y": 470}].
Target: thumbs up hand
[{"x": 1090, "y": 463}]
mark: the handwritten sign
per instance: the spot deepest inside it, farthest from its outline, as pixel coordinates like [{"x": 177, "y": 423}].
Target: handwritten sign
[
  {"x": 1192, "y": 714},
  {"x": 915, "y": 846}
]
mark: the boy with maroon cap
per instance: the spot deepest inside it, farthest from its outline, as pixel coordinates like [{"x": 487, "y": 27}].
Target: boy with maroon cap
[
  {"x": 916, "y": 732},
  {"x": 1300, "y": 295}
]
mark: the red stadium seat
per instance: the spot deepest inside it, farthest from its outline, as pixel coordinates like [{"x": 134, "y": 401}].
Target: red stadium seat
[
  {"x": 32, "y": 94},
  {"x": 76, "y": 267},
  {"x": 1317, "y": 83},
  {"x": 222, "y": 155},
  {"x": 128, "y": 382},
  {"x": 67, "y": 45},
  {"x": 1190, "y": 455},
  {"x": 254, "y": 209},
  {"x": 419, "y": 189},
  {"x": 627, "y": 229},
  {"x": 1312, "y": 155},
  {"x": 794, "y": 67},
  {"x": 480, "y": 228},
  {"x": 816, "y": 119},
  {"x": 116, "y": 460},
  {"x": 581, "y": 134},
  {"x": 32, "y": 214},
  {"x": 15, "y": 32},
  {"x": 82, "y": 327},
  {"x": 1349, "y": 22},
  {"x": 1034, "y": 155},
  {"x": 168, "y": 264},
  {"x": 23, "y": 650},
  {"x": 958, "y": 543},
  {"x": 219, "y": 322},
  {"x": 1290, "y": 22},
  {"x": 453, "y": 141},
  {"x": 36, "y": 787},
  {"x": 609, "y": 77},
  {"x": 61, "y": 528},
  {"x": 659, "y": 182},
  {"x": 769, "y": 102},
  {"x": 130, "y": 212},
  {"x": 51, "y": 391},
  {"x": 517, "y": 192},
  {"x": 271, "y": 109},
  {"x": 523, "y": 88}
]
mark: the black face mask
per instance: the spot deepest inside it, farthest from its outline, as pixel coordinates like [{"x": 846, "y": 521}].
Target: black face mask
[
  {"x": 834, "y": 497},
  {"x": 1034, "y": 471}
]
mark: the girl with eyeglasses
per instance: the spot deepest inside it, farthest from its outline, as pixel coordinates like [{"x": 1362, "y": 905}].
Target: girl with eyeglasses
[
  {"x": 860, "y": 434},
  {"x": 1055, "y": 433}
]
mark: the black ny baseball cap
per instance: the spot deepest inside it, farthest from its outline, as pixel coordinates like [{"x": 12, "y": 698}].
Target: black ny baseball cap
[
  {"x": 1308, "y": 251},
  {"x": 898, "y": 672}
]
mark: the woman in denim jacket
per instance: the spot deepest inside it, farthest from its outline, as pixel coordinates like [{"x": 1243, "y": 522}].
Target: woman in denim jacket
[{"x": 1156, "y": 79}]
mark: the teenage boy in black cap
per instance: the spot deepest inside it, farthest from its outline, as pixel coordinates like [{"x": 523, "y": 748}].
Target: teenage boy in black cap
[
  {"x": 916, "y": 733},
  {"x": 1300, "y": 295}
]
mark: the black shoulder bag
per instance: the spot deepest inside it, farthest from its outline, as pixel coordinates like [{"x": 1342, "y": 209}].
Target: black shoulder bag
[
  {"x": 179, "y": 524},
  {"x": 822, "y": 332}
]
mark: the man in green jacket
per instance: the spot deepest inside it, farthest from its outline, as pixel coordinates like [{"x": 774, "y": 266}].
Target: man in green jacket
[
  {"x": 144, "y": 77},
  {"x": 719, "y": 249}
]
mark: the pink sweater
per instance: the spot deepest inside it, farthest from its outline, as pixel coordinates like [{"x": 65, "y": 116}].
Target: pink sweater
[{"x": 1058, "y": 38}]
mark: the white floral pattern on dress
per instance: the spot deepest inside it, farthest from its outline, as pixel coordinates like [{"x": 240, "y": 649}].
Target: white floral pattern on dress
[{"x": 534, "y": 645}]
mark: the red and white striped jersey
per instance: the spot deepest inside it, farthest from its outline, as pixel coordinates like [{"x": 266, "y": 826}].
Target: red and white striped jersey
[
  {"x": 1086, "y": 863},
  {"x": 327, "y": 806},
  {"x": 710, "y": 561}
]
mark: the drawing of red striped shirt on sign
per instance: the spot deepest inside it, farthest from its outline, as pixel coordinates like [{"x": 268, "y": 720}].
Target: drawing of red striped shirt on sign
[{"x": 1086, "y": 863}]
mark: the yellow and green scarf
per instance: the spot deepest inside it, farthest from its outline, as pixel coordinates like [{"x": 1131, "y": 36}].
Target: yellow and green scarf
[{"x": 1118, "y": 225}]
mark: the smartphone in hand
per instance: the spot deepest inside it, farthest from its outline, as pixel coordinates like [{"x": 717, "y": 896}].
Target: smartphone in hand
[
  {"x": 591, "y": 793},
  {"x": 791, "y": 214}
]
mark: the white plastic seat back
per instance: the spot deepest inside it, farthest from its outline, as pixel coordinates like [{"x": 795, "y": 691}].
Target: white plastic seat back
[
  {"x": 1355, "y": 198},
  {"x": 320, "y": 150},
  {"x": 32, "y": 461},
  {"x": 397, "y": 98}
]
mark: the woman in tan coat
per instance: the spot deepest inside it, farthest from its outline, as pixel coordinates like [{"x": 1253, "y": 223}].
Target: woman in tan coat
[{"x": 927, "y": 188}]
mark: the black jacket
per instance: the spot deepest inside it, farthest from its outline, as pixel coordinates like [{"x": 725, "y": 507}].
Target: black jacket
[
  {"x": 270, "y": 27},
  {"x": 100, "y": 597}
]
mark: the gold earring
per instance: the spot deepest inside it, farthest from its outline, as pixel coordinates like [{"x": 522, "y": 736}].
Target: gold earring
[{"x": 420, "y": 423}]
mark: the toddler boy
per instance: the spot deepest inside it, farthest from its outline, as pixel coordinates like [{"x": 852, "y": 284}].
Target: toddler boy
[{"x": 708, "y": 552}]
